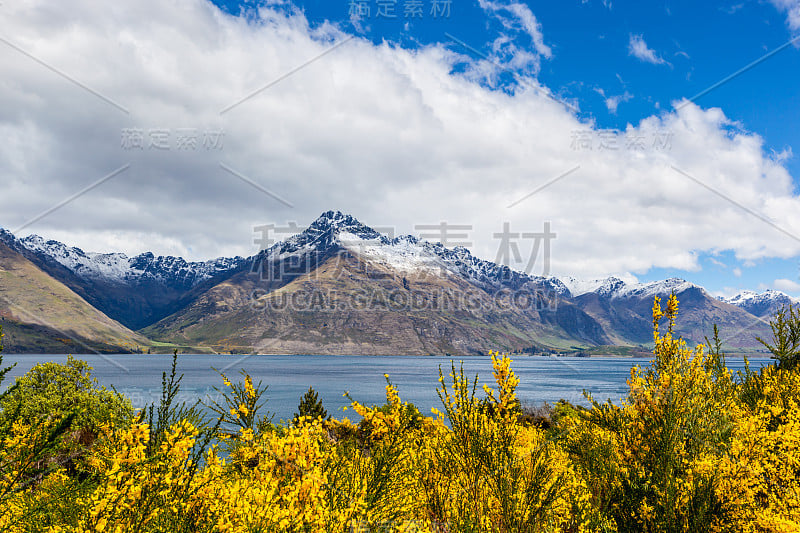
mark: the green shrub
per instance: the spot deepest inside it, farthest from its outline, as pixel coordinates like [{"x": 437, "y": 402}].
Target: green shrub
[
  {"x": 52, "y": 390},
  {"x": 785, "y": 346},
  {"x": 310, "y": 406}
]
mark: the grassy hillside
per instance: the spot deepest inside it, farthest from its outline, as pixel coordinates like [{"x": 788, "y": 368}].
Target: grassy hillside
[
  {"x": 347, "y": 307},
  {"x": 40, "y": 314}
]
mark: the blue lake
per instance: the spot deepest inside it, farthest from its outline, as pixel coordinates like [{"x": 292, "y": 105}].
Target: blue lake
[{"x": 543, "y": 379}]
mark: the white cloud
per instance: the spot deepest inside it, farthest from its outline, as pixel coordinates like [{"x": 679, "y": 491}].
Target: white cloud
[
  {"x": 612, "y": 102},
  {"x": 639, "y": 49},
  {"x": 786, "y": 285},
  {"x": 792, "y": 10},
  {"x": 606, "y": 3},
  {"x": 517, "y": 20},
  {"x": 390, "y": 135},
  {"x": 732, "y": 9},
  {"x": 518, "y": 17}
]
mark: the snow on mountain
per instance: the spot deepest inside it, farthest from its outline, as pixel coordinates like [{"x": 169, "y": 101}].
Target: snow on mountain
[
  {"x": 613, "y": 287},
  {"x": 760, "y": 304},
  {"x": 748, "y": 297},
  {"x": 604, "y": 287},
  {"x": 120, "y": 268},
  {"x": 403, "y": 254},
  {"x": 654, "y": 288},
  {"x": 577, "y": 286}
]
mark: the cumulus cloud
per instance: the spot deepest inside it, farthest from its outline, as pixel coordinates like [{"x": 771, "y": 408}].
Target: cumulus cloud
[
  {"x": 792, "y": 10},
  {"x": 612, "y": 102},
  {"x": 786, "y": 285},
  {"x": 519, "y": 17},
  {"x": 517, "y": 20},
  {"x": 397, "y": 137},
  {"x": 638, "y": 48}
]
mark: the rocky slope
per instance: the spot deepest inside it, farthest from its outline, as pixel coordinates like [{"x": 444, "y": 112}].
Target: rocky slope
[
  {"x": 136, "y": 291},
  {"x": 341, "y": 287},
  {"x": 762, "y": 305},
  {"x": 625, "y": 311},
  {"x": 41, "y": 315}
]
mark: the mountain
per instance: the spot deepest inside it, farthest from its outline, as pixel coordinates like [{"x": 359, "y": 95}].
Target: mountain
[
  {"x": 616, "y": 288},
  {"x": 341, "y": 287},
  {"x": 41, "y": 315},
  {"x": 136, "y": 291},
  {"x": 625, "y": 311},
  {"x": 762, "y": 305}
]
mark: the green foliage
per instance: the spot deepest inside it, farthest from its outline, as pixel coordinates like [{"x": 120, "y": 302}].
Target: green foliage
[
  {"x": 241, "y": 405},
  {"x": 43, "y": 441},
  {"x": 715, "y": 361},
  {"x": 169, "y": 412},
  {"x": 785, "y": 346},
  {"x": 6, "y": 370},
  {"x": 5, "y": 421},
  {"x": 51, "y": 390},
  {"x": 310, "y": 406}
]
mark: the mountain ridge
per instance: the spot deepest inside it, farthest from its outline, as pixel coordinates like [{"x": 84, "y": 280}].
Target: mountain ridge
[
  {"x": 164, "y": 295},
  {"x": 112, "y": 265},
  {"x": 407, "y": 285},
  {"x": 761, "y": 304},
  {"x": 41, "y": 315}
]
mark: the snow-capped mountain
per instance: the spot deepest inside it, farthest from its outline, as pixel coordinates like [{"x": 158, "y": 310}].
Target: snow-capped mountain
[
  {"x": 196, "y": 302},
  {"x": 404, "y": 254},
  {"x": 761, "y": 304},
  {"x": 625, "y": 311},
  {"x": 117, "y": 267},
  {"x": 613, "y": 287},
  {"x": 135, "y": 291},
  {"x": 340, "y": 285}
]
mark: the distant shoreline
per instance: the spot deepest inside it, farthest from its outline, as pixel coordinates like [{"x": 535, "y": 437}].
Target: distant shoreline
[{"x": 638, "y": 355}]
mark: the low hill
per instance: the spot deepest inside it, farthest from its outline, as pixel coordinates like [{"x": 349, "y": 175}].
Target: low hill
[{"x": 41, "y": 315}]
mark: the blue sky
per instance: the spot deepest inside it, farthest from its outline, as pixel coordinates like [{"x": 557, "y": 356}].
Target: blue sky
[
  {"x": 692, "y": 47},
  {"x": 700, "y": 43},
  {"x": 467, "y": 117}
]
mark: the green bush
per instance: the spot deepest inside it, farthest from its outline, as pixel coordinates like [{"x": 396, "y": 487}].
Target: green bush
[
  {"x": 52, "y": 390},
  {"x": 310, "y": 406},
  {"x": 785, "y": 346}
]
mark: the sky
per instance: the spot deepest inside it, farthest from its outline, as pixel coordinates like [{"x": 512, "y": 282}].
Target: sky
[{"x": 654, "y": 139}]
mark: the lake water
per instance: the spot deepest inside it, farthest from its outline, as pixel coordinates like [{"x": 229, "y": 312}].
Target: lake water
[{"x": 543, "y": 379}]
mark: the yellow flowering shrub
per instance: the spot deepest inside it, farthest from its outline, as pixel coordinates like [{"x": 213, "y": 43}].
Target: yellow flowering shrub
[
  {"x": 759, "y": 475},
  {"x": 690, "y": 448},
  {"x": 488, "y": 472}
]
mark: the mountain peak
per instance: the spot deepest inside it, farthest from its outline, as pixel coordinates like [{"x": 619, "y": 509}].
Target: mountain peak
[
  {"x": 336, "y": 222},
  {"x": 330, "y": 230},
  {"x": 613, "y": 287},
  {"x": 760, "y": 304}
]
